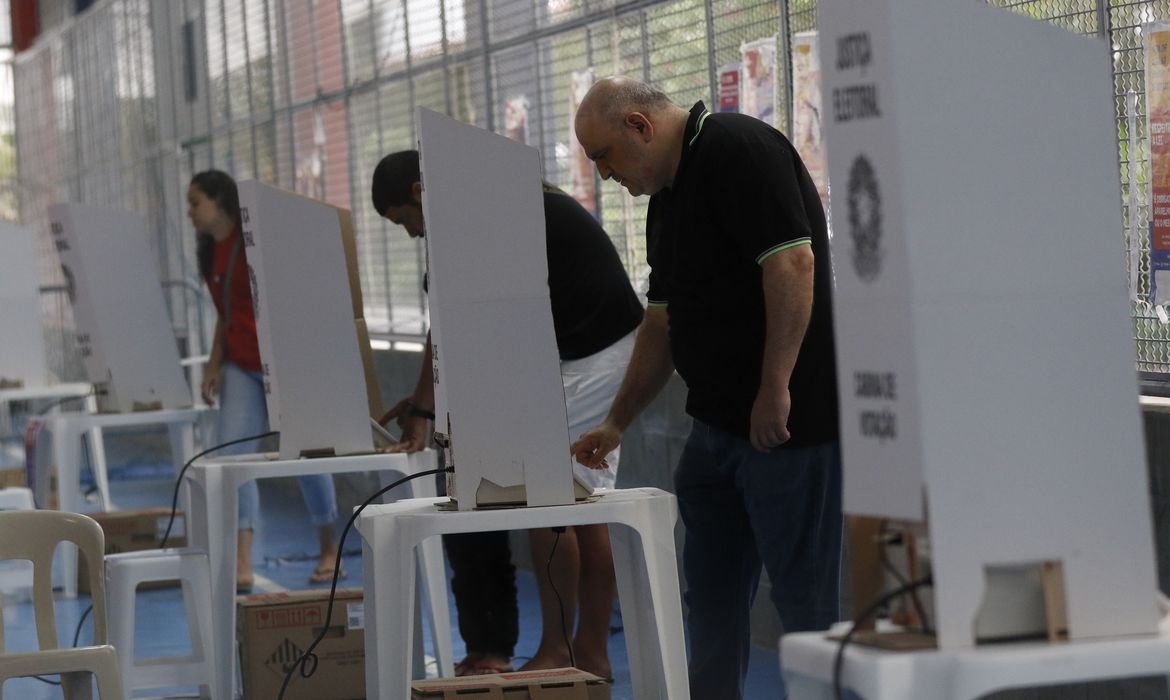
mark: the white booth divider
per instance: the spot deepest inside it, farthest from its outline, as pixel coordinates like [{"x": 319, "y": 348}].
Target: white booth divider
[
  {"x": 498, "y": 391},
  {"x": 22, "y": 353},
  {"x": 123, "y": 330},
  {"x": 985, "y": 351},
  {"x": 305, "y": 322}
]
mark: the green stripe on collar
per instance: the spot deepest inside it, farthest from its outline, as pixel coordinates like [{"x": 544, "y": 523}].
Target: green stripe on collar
[{"x": 699, "y": 128}]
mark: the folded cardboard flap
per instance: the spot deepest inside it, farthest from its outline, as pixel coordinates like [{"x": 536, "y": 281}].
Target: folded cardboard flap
[
  {"x": 550, "y": 684},
  {"x": 349, "y": 246}
]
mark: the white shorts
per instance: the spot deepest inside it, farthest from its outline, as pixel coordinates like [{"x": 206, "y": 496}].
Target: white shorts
[{"x": 590, "y": 385}]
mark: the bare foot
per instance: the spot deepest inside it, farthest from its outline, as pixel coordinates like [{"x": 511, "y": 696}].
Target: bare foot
[
  {"x": 478, "y": 663},
  {"x": 598, "y": 665},
  {"x": 324, "y": 573},
  {"x": 543, "y": 659}
]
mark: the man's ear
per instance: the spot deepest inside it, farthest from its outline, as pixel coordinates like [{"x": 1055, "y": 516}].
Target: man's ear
[
  {"x": 641, "y": 124},
  {"x": 416, "y": 192}
]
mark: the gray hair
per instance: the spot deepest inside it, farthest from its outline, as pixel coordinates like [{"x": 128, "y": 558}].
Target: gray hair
[{"x": 627, "y": 95}]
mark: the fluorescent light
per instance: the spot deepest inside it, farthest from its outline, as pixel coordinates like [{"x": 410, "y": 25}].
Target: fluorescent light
[
  {"x": 407, "y": 346},
  {"x": 378, "y": 344}
]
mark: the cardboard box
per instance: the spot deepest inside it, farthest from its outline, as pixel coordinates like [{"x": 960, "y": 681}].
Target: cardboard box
[
  {"x": 13, "y": 477},
  {"x": 274, "y": 629},
  {"x": 551, "y": 684},
  {"x": 134, "y": 531}
]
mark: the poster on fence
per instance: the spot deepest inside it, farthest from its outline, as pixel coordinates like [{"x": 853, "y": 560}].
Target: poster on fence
[
  {"x": 516, "y": 118},
  {"x": 1157, "y": 45},
  {"x": 758, "y": 81},
  {"x": 806, "y": 110},
  {"x": 729, "y": 88},
  {"x": 583, "y": 184}
]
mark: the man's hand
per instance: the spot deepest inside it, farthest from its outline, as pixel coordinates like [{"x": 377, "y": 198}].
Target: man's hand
[
  {"x": 398, "y": 411},
  {"x": 591, "y": 448},
  {"x": 415, "y": 435},
  {"x": 770, "y": 418},
  {"x": 210, "y": 387},
  {"x": 415, "y": 429}
]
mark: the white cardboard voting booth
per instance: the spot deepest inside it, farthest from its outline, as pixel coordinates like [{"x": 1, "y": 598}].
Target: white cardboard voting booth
[
  {"x": 983, "y": 333},
  {"x": 498, "y": 391},
  {"x": 123, "y": 331},
  {"x": 22, "y": 354},
  {"x": 305, "y": 322}
]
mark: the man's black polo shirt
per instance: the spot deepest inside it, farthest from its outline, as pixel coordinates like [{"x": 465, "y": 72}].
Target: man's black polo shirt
[
  {"x": 741, "y": 193},
  {"x": 593, "y": 303}
]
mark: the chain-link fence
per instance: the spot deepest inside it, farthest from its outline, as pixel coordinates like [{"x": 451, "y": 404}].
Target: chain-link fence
[{"x": 120, "y": 106}]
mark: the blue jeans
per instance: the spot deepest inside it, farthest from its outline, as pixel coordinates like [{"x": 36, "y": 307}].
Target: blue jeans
[
  {"x": 243, "y": 411},
  {"x": 742, "y": 508}
]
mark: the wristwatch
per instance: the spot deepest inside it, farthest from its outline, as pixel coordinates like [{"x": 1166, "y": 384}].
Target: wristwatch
[{"x": 415, "y": 411}]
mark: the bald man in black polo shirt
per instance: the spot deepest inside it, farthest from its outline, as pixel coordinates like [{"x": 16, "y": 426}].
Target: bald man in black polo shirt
[{"x": 739, "y": 303}]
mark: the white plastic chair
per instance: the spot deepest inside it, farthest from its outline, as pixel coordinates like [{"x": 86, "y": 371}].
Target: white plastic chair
[
  {"x": 33, "y": 535},
  {"x": 16, "y": 577}
]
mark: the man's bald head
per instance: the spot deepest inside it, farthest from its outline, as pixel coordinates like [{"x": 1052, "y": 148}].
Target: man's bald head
[
  {"x": 632, "y": 132},
  {"x": 611, "y": 99}
]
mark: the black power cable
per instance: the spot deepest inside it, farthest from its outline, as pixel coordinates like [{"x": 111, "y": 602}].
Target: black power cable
[
  {"x": 77, "y": 632},
  {"x": 839, "y": 659},
  {"x": 76, "y": 638},
  {"x": 179, "y": 480},
  {"x": 559, "y": 530},
  {"x": 45, "y": 409},
  {"x": 307, "y": 662}
]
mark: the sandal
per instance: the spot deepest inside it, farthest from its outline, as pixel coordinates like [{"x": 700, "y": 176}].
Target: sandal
[{"x": 323, "y": 574}]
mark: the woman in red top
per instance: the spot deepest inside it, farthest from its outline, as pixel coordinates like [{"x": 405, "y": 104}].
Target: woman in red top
[{"x": 234, "y": 370}]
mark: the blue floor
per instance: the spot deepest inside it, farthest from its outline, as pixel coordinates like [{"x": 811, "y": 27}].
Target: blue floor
[{"x": 285, "y": 555}]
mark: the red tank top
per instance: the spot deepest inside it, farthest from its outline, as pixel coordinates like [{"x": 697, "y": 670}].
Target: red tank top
[{"x": 239, "y": 330}]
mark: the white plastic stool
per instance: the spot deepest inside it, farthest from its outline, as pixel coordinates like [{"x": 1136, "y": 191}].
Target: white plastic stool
[
  {"x": 124, "y": 571},
  {"x": 67, "y": 429},
  {"x": 212, "y": 524},
  {"x": 16, "y": 576},
  {"x": 16, "y": 498},
  {"x": 641, "y": 531}
]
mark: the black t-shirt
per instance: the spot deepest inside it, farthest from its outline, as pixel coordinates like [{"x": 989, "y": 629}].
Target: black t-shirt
[
  {"x": 741, "y": 193},
  {"x": 593, "y": 303}
]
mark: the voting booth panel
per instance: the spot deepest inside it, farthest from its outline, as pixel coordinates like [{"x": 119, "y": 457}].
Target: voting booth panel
[
  {"x": 498, "y": 391},
  {"x": 312, "y": 363},
  {"x": 984, "y": 349},
  {"x": 22, "y": 354},
  {"x": 123, "y": 331}
]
